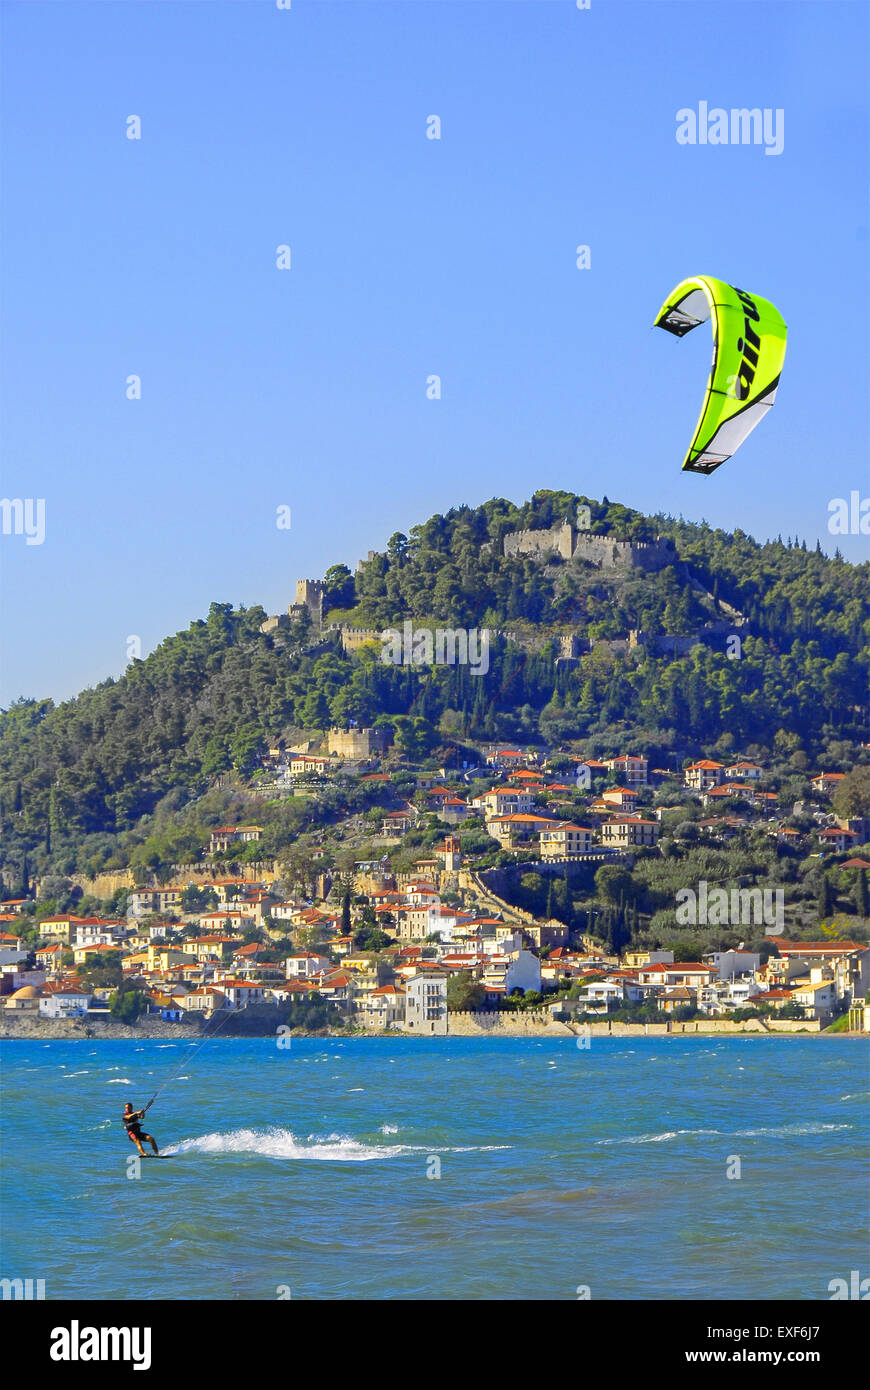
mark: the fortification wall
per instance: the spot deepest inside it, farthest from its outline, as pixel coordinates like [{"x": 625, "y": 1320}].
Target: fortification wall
[
  {"x": 356, "y": 743},
  {"x": 558, "y": 539},
  {"x": 104, "y": 885},
  {"x": 700, "y": 1026},
  {"x": 506, "y": 1023},
  {"x": 352, "y": 638},
  {"x": 490, "y": 899},
  {"x": 538, "y": 1023},
  {"x": 606, "y": 552}
]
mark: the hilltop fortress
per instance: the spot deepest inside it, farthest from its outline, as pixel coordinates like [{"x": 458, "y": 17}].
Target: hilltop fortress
[
  {"x": 604, "y": 552},
  {"x": 562, "y": 539}
]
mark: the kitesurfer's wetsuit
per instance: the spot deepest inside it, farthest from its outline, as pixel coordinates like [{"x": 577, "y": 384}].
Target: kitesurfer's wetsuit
[
  {"x": 134, "y": 1129},
  {"x": 132, "y": 1126}
]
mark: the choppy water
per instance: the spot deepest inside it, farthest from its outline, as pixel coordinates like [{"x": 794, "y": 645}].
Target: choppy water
[{"x": 311, "y": 1170}]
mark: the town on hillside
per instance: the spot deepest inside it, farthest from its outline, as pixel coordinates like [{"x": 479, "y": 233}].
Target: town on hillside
[{"x": 515, "y": 882}]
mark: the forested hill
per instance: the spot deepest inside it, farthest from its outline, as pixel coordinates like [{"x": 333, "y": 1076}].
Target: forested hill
[{"x": 74, "y": 777}]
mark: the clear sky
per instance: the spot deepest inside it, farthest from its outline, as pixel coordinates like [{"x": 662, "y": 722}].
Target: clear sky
[{"x": 306, "y": 388}]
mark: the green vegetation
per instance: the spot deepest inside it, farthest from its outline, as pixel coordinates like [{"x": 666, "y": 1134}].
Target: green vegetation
[
  {"x": 126, "y": 1004},
  {"x": 137, "y": 771}
]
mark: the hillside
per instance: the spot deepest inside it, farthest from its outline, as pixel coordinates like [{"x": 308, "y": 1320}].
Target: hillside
[{"x": 82, "y": 784}]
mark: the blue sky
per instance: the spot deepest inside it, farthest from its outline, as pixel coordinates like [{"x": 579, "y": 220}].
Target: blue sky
[{"x": 307, "y": 387}]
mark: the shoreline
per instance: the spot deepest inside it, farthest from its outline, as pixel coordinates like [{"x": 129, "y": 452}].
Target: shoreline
[{"x": 65, "y": 1030}]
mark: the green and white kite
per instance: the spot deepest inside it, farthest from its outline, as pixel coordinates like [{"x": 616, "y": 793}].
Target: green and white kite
[{"x": 748, "y": 352}]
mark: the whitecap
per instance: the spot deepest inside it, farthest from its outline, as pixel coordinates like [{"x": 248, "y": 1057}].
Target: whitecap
[
  {"x": 656, "y": 1138},
  {"x": 283, "y": 1144},
  {"x": 795, "y": 1129}
]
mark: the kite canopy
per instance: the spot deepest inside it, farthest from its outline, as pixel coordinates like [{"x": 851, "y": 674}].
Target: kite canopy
[{"x": 748, "y": 352}]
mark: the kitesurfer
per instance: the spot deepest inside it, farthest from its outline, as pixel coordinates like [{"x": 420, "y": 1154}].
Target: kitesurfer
[{"x": 132, "y": 1119}]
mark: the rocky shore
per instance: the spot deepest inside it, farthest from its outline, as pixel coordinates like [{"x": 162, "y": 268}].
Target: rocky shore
[
  {"x": 34, "y": 1029},
  {"x": 251, "y": 1024}
]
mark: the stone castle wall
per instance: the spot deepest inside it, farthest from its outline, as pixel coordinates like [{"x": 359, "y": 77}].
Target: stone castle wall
[
  {"x": 602, "y": 551},
  {"x": 558, "y": 539},
  {"x": 507, "y": 1022},
  {"x": 356, "y": 743},
  {"x": 352, "y": 638}
]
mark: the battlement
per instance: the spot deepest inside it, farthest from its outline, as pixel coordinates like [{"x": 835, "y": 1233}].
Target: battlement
[
  {"x": 603, "y": 551},
  {"x": 309, "y": 594},
  {"x": 552, "y": 540}
]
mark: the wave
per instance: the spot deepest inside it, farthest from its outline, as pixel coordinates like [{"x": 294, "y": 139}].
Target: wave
[
  {"x": 389, "y": 1129},
  {"x": 657, "y": 1138},
  {"x": 791, "y": 1129},
  {"x": 283, "y": 1144},
  {"x": 668, "y": 1134},
  {"x": 120, "y": 1081}
]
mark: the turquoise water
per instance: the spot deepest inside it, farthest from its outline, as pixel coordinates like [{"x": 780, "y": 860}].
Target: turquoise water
[{"x": 305, "y": 1170}]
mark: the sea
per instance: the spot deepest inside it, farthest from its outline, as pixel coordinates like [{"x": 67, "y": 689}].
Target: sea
[{"x": 440, "y": 1168}]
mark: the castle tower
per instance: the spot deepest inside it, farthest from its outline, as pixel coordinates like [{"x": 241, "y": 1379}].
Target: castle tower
[
  {"x": 309, "y": 594},
  {"x": 451, "y": 852}
]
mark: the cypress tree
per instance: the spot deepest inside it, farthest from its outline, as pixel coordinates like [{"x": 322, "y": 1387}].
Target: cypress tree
[{"x": 861, "y": 897}]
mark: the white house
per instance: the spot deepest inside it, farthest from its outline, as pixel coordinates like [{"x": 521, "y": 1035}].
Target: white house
[
  {"x": 66, "y": 1003},
  {"x": 727, "y": 964},
  {"x": 521, "y": 970},
  {"x": 426, "y": 1003},
  {"x": 306, "y": 964}
]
